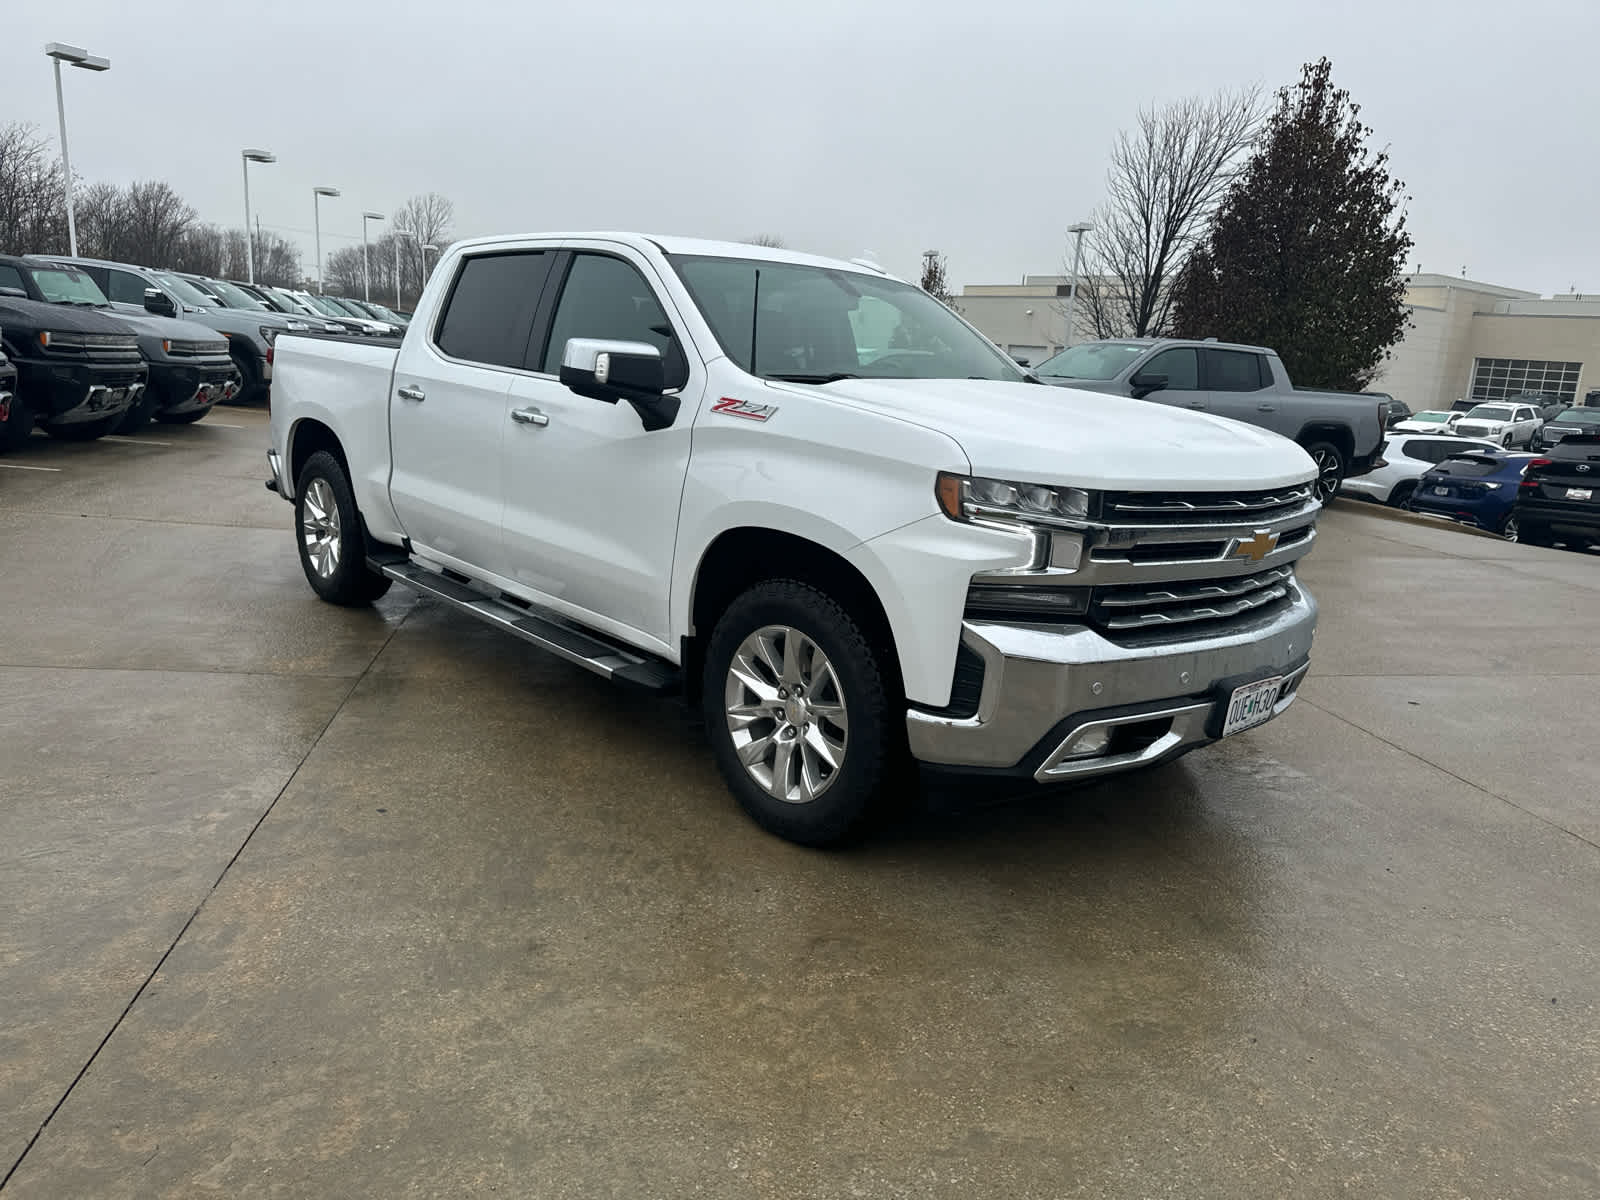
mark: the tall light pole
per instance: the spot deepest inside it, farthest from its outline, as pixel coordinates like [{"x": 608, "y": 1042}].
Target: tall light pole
[
  {"x": 247, "y": 157},
  {"x": 316, "y": 225},
  {"x": 425, "y": 248},
  {"x": 398, "y": 234},
  {"x": 76, "y": 56},
  {"x": 366, "y": 270},
  {"x": 1078, "y": 230}
]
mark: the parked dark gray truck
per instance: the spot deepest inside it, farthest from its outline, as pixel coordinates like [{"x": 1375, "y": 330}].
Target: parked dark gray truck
[
  {"x": 1342, "y": 432},
  {"x": 78, "y": 371}
]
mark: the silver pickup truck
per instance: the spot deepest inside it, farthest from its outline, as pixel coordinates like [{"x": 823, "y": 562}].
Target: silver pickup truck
[{"x": 1342, "y": 432}]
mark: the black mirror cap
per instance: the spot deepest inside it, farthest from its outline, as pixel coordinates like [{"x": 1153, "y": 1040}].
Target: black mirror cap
[
  {"x": 158, "y": 302},
  {"x": 1146, "y": 382}
]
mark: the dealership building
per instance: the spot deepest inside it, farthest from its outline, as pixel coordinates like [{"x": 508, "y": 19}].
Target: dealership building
[{"x": 1466, "y": 340}]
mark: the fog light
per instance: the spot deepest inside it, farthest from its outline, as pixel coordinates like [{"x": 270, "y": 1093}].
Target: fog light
[{"x": 1090, "y": 743}]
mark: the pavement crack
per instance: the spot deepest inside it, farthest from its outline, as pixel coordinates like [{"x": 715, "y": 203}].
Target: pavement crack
[
  {"x": 1506, "y": 800},
  {"x": 211, "y": 891}
]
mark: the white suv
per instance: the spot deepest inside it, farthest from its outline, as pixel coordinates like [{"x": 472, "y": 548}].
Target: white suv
[
  {"x": 1406, "y": 457},
  {"x": 1504, "y": 424}
]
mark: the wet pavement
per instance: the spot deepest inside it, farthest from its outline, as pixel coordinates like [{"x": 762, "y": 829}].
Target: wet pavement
[{"x": 300, "y": 901}]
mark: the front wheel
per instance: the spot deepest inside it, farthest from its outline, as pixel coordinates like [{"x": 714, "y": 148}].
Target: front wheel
[
  {"x": 333, "y": 552},
  {"x": 1330, "y": 468},
  {"x": 798, "y": 710}
]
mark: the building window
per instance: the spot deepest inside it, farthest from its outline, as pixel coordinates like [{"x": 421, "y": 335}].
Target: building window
[{"x": 1502, "y": 378}]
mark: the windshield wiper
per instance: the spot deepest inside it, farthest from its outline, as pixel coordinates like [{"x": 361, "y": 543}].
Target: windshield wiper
[{"x": 833, "y": 378}]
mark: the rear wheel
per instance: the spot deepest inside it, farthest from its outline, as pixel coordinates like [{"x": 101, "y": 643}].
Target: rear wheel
[
  {"x": 1534, "y": 535},
  {"x": 1511, "y": 529},
  {"x": 1403, "y": 491},
  {"x": 1330, "y": 468},
  {"x": 333, "y": 551},
  {"x": 83, "y": 431},
  {"x": 798, "y": 710}
]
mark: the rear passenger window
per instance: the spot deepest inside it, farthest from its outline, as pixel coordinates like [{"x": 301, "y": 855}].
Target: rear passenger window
[
  {"x": 1235, "y": 371},
  {"x": 1181, "y": 366},
  {"x": 605, "y": 297},
  {"x": 11, "y": 277},
  {"x": 119, "y": 286},
  {"x": 489, "y": 313}
]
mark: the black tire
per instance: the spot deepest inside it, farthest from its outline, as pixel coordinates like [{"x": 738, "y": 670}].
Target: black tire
[
  {"x": 83, "y": 431},
  {"x": 1511, "y": 528},
  {"x": 188, "y": 418},
  {"x": 1506, "y": 441},
  {"x": 1331, "y": 468},
  {"x": 1534, "y": 535},
  {"x": 340, "y": 574},
  {"x": 858, "y": 685},
  {"x": 17, "y": 426},
  {"x": 251, "y": 389},
  {"x": 138, "y": 414},
  {"x": 1400, "y": 497}
]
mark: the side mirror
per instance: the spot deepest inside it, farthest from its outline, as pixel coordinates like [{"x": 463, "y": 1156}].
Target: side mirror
[
  {"x": 158, "y": 302},
  {"x": 1145, "y": 382},
  {"x": 609, "y": 371},
  {"x": 13, "y": 293}
]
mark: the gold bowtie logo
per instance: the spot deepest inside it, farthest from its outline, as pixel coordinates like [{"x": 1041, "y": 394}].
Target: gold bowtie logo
[{"x": 1256, "y": 548}]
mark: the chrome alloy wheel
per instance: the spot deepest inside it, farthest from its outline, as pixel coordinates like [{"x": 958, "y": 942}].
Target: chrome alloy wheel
[
  {"x": 1327, "y": 481},
  {"x": 319, "y": 528},
  {"x": 786, "y": 714}
]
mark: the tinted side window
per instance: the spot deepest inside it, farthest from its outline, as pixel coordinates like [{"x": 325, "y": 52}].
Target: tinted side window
[
  {"x": 1234, "y": 371},
  {"x": 605, "y": 297},
  {"x": 1181, "y": 366},
  {"x": 11, "y": 277},
  {"x": 490, "y": 309},
  {"x": 119, "y": 286}
]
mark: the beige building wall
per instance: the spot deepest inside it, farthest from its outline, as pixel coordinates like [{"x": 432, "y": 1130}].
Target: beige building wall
[{"x": 1026, "y": 319}]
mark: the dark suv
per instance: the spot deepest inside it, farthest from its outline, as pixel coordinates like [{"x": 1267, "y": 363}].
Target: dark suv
[
  {"x": 78, "y": 371},
  {"x": 189, "y": 365},
  {"x": 1559, "y": 497}
]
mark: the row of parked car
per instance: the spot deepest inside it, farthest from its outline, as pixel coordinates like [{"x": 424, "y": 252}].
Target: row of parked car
[
  {"x": 1536, "y": 421},
  {"x": 89, "y": 347}
]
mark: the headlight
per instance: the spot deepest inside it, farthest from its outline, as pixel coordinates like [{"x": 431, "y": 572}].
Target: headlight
[
  {"x": 963, "y": 498},
  {"x": 51, "y": 340}
]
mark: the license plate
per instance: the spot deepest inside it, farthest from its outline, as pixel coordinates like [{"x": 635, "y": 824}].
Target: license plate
[
  {"x": 1251, "y": 704},
  {"x": 1441, "y": 491},
  {"x": 1580, "y": 493}
]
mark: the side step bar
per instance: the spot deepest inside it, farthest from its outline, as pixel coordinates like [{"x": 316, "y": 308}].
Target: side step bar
[{"x": 544, "y": 629}]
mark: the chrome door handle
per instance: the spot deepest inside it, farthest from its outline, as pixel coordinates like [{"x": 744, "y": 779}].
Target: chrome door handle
[
  {"x": 1197, "y": 404},
  {"x": 411, "y": 393},
  {"x": 529, "y": 416}
]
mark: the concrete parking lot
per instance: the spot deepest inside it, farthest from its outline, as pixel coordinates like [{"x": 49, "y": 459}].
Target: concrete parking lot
[{"x": 301, "y": 901}]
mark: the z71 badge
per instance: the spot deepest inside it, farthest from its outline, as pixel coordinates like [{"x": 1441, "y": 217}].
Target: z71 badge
[{"x": 743, "y": 408}]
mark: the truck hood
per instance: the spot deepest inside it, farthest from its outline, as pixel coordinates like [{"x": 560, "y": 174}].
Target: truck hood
[
  {"x": 1086, "y": 439},
  {"x": 35, "y": 315}
]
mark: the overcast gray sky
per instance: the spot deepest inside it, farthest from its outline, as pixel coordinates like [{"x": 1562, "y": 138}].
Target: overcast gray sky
[{"x": 979, "y": 128}]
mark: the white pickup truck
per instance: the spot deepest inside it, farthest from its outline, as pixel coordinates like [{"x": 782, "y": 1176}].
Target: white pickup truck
[{"x": 811, "y": 498}]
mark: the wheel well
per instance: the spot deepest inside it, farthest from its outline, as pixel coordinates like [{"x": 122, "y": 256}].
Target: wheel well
[
  {"x": 741, "y": 558},
  {"x": 307, "y": 437},
  {"x": 1335, "y": 435}
]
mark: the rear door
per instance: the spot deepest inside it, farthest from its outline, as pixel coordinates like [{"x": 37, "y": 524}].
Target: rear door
[
  {"x": 1238, "y": 384},
  {"x": 592, "y": 498},
  {"x": 447, "y": 407}
]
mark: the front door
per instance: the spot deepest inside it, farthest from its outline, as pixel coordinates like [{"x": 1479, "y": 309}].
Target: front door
[
  {"x": 1181, "y": 366},
  {"x": 591, "y": 511},
  {"x": 447, "y": 408}
]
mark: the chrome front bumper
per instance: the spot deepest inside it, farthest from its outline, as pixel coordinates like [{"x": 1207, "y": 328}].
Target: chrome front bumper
[{"x": 1043, "y": 689}]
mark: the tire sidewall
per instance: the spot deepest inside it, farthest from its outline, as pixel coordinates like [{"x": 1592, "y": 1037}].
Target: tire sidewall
[
  {"x": 1319, "y": 448},
  {"x": 351, "y": 583},
  {"x": 844, "y": 808}
]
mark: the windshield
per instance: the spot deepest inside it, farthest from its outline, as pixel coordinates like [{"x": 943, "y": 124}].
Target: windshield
[
  {"x": 1431, "y": 418},
  {"x": 186, "y": 291},
  {"x": 815, "y": 324},
  {"x": 66, "y": 285},
  {"x": 1092, "y": 360},
  {"x": 233, "y": 296},
  {"x": 288, "y": 302},
  {"x": 1579, "y": 416},
  {"x": 1491, "y": 412},
  {"x": 321, "y": 304},
  {"x": 344, "y": 308}
]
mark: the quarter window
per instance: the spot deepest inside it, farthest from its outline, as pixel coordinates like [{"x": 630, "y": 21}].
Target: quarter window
[
  {"x": 605, "y": 297},
  {"x": 489, "y": 314},
  {"x": 1233, "y": 371},
  {"x": 1181, "y": 366},
  {"x": 11, "y": 277}
]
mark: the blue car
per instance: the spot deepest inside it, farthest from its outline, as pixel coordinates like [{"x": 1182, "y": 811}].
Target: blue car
[{"x": 1476, "y": 487}]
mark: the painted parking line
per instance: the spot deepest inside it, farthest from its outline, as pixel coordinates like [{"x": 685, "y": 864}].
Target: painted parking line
[
  {"x": 220, "y": 425},
  {"x": 21, "y": 467},
  {"x": 132, "y": 441}
]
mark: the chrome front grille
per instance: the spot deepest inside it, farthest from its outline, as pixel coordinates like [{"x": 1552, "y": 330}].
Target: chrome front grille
[
  {"x": 1141, "y": 607},
  {"x": 1208, "y": 508},
  {"x": 1476, "y": 431}
]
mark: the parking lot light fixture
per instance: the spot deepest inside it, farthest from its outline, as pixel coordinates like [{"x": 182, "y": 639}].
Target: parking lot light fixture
[
  {"x": 1077, "y": 230},
  {"x": 248, "y": 157},
  {"x": 366, "y": 270},
  {"x": 316, "y": 225},
  {"x": 76, "y": 56}
]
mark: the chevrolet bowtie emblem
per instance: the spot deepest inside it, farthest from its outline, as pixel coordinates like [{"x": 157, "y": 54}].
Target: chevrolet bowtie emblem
[{"x": 1255, "y": 548}]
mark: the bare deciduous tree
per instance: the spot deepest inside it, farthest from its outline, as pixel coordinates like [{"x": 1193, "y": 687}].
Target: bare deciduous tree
[
  {"x": 1166, "y": 178},
  {"x": 33, "y": 212},
  {"x": 770, "y": 240}
]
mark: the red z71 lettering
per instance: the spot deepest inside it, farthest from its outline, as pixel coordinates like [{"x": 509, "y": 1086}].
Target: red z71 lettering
[{"x": 743, "y": 408}]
